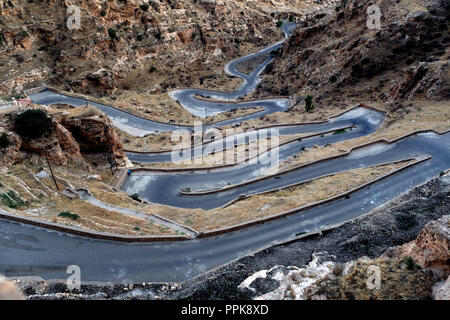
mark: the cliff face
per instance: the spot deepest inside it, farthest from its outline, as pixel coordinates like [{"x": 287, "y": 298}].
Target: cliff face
[
  {"x": 336, "y": 56},
  {"x": 119, "y": 39},
  {"x": 71, "y": 136}
]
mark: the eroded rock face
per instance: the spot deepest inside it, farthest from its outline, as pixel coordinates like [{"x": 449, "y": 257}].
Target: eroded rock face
[
  {"x": 431, "y": 249},
  {"x": 8, "y": 290},
  {"x": 11, "y": 153},
  {"x": 70, "y": 137},
  {"x": 60, "y": 146},
  {"x": 96, "y": 134}
]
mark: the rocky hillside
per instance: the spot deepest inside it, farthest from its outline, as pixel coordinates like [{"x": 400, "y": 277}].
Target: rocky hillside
[
  {"x": 406, "y": 272},
  {"x": 336, "y": 57},
  {"x": 73, "y": 132},
  {"x": 131, "y": 44}
]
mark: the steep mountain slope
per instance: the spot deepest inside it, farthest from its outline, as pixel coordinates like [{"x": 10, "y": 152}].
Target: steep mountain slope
[
  {"x": 131, "y": 44},
  {"x": 337, "y": 57}
]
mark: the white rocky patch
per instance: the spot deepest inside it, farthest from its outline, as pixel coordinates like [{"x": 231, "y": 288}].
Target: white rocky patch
[
  {"x": 121, "y": 123},
  {"x": 352, "y": 114},
  {"x": 139, "y": 183},
  {"x": 294, "y": 284},
  {"x": 370, "y": 151}
]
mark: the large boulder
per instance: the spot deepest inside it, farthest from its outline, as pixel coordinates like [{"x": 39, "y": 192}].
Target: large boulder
[{"x": 431, "y": 249}]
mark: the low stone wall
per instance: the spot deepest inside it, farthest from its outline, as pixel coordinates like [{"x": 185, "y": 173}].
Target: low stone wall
[{"x": 86, "y": 233}]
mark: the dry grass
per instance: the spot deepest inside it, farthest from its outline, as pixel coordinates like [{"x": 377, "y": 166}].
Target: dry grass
[
  {"x": 256, "y": 206},
  {"x": 397, "y": 282},
  {"x": 45, "y": 203}
]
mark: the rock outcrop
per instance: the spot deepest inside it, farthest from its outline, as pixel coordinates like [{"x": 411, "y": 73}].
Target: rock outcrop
[
  {"x": 88, "y": 132},
  {"x": 431, "y": 249},
  {"x": 410, "y": 271},
  {"x": 9, "y": 291},
  {"x": 96, "y": 134}
]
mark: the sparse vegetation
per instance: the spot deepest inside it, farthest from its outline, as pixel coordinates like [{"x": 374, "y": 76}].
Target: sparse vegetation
[
  {"x": 144, "y": 6},
  {"x": 112, "y": 33},
  {"x": 410, "y": 263},
  {"x": 69, "y": 215},
  {"x": 340, "y": 131},
  {"x": 12, "y": 200}
]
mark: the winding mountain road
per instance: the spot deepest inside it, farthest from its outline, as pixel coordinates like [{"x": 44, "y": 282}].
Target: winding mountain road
[{"x": 29, "y": 250}]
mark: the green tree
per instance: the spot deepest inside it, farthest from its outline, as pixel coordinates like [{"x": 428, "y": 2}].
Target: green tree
[
  {"x": 33, "y": 124},
  {"x": 112, "y": 33},
  {"x": 4, "y": 141},
  {"x": 144, "y": 6},
  {"x": 309, "y": 105}
]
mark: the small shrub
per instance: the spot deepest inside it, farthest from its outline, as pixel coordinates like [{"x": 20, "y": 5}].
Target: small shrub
[
  {"x": 340, "y": 131},
  {"x": 33, "y": 124},
  {"x": 103, "y": 13},
  {"x": 135, "y": 197},
  {"x": 70, "y": 215},
  {"x": 279, "y": 24},
  {"x": 152, "y": 69},
  {"x": 4, "y": 141},
  {"x": 112, "y": 33},
  {"x": 410, "y": 263},
  {"x": 144, "y": 7},
  {"x": 291, "y": 18},
  {"x": 274, "y": 52}
]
